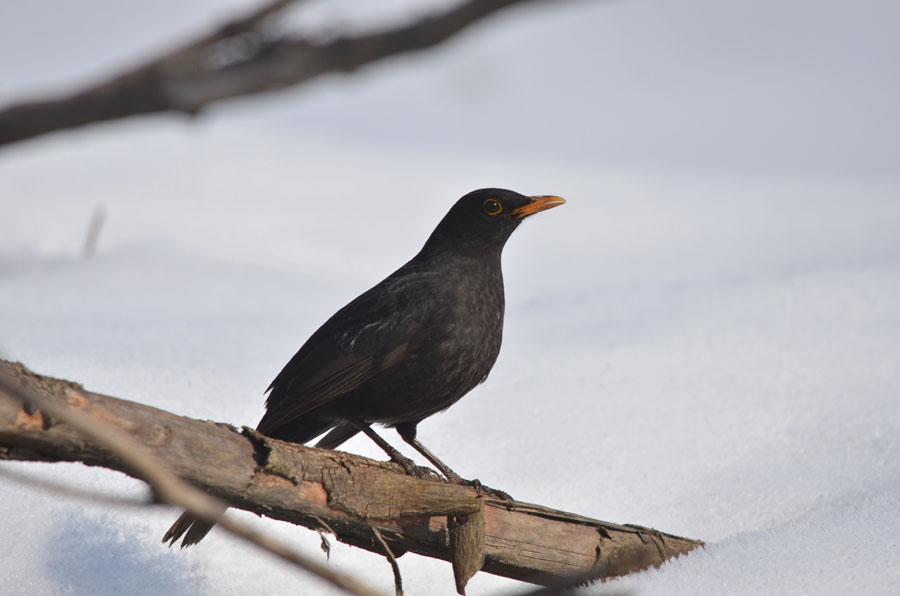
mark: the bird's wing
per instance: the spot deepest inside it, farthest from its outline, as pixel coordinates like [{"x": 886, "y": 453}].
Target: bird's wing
[{"x": 372, "y": 334}]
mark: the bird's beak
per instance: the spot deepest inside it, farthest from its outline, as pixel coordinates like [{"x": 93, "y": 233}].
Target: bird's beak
[{"x": 537, "y": 204}]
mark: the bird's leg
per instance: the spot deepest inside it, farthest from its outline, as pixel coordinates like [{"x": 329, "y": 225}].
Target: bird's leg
[
  {"x": 435, "y": 461},
  {"x": 407, "y": 432},
  {"x": 407, "y": 464}
]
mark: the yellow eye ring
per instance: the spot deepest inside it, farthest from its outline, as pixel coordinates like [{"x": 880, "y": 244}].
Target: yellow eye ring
[{"x": 492, "y": 206}]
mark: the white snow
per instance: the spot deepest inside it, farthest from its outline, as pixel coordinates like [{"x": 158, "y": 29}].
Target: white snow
[{"x": 690, "y": 344}]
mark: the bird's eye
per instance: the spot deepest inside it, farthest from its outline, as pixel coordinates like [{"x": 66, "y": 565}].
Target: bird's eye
[{"x": 492, "y": 207}]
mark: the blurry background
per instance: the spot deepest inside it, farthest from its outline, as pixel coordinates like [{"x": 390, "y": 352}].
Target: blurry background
[{"x": 704, "y": 339}]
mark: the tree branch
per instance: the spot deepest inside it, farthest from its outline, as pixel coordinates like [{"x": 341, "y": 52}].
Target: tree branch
[
  {"x": 346, "y": 493},
  {"x": 40, "y": 409},
  {"x": 242, "y": 57}
]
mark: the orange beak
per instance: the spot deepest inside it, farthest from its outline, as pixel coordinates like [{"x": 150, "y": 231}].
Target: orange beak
[{"x": 537, "y": 204}]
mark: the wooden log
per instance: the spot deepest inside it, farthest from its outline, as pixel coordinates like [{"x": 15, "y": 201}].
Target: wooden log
[{"x": 339, "y": 492}]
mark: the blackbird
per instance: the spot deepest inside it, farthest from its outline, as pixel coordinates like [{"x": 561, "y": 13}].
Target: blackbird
[{"x": 407, "y": 348}]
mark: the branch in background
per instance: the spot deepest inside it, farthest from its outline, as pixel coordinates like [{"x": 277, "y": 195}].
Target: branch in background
[
  {"x": 93, "y": 232},
  {"x": 240, "y": 58},
  {"x": 39, "y": 411},
  {"x": 345, "y": 493},
  {"x": 72, "y": 492}
]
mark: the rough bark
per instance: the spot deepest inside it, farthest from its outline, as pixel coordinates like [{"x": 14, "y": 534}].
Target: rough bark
[{"x": 344, "y": 493}]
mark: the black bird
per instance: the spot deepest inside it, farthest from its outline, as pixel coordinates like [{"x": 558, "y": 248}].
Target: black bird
[{"x": 408, "y": 348}]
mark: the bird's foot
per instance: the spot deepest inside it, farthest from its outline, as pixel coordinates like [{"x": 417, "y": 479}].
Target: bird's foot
[
  {"x": 411, "y": 469},
  {"x": 482, "y": 489}
]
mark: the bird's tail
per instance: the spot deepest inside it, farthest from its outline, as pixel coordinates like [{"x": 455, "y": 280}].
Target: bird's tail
[
  {"x": 338, "y": 435},
  {"x": 190, "y": 527},
  {"x": 194, "y": 530}
]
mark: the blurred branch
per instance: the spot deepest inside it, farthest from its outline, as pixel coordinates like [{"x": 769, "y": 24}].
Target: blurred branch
[
  {"x": 93, "y": 232},
  {"x": 344, "y": 493},
  {"x": 71, "y": 492},
  {"x": 39, "y": 409},
  {"x": 240, "y": 58}
]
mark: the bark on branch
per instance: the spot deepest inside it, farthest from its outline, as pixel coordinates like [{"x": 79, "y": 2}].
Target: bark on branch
[
  {"x": 349, "y": 495},
  {"x": 240, "y": 58}
]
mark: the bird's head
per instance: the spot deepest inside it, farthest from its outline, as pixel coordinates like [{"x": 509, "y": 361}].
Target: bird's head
[{"x": 482, "y": 221}]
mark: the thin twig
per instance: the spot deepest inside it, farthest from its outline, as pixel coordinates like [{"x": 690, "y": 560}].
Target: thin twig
[
  {"x": 72, "y": 492},
  {"x": 171, "y": 489},
  {"x": 93, "y": 232},
  {"x": 389, "y": 555}
]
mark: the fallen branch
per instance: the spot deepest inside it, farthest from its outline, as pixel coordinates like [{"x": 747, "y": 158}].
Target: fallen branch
[
  {"x": 168, "y": 488},
  {"x": 345, "y": 493},
  {"x": 240, "y": 58}
]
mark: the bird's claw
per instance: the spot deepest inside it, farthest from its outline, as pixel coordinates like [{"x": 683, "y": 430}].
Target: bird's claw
[
  {"x": 411, "y": 469},
  {"x": 483, "y": 489}
]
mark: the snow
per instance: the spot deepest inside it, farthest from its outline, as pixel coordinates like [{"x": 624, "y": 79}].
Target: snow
[{"x": 704, "y": 339}]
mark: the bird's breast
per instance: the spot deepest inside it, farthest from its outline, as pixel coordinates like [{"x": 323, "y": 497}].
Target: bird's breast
[
  {"x": 467, "y": 343},
  {"x": 453, "y": 349}
]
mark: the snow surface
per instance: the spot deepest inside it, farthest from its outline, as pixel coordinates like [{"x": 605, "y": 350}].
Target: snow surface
[{"x": 711, "y": 351}]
